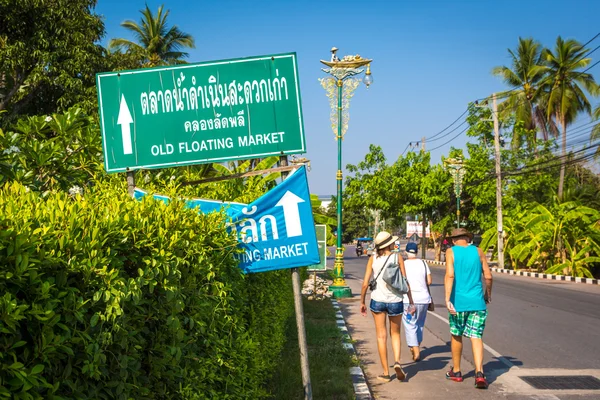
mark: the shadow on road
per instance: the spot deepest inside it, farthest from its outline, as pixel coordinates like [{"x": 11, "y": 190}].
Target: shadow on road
[
  {"x": 492, "y": 369},
  {"x": 427, "y": 364},
  {"x": 429, "y": 351}
]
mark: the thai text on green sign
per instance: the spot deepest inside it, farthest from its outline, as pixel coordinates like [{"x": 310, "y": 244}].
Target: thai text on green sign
[{"x": 199, "y": 113}]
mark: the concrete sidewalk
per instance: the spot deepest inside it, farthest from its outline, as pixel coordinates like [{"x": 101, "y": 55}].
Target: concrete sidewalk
[{"x": 426, "y": 379}]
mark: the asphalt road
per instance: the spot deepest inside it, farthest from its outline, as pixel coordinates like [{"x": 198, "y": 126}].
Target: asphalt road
[{"x": 532, "y": 323}]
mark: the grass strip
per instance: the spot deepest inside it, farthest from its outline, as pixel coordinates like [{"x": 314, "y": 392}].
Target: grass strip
[{"x": 329, "y": 361}]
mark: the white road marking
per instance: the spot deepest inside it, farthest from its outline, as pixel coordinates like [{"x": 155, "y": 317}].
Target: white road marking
[{"x": 499, "y": 356}]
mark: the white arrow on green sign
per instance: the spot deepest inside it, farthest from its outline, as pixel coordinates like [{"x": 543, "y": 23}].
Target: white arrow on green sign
[
  {"x": 200, "y": 113},
  {"x": 124, "y": 119}
]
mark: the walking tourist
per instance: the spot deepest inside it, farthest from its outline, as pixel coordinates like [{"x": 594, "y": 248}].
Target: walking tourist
[
  {"x": 385, "y": 303},
  {"x": 466, "y": 301},
  {"x": 419, "y": 279}
]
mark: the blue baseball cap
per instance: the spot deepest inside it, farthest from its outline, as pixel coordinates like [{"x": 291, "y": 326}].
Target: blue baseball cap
[{"x": 412, "y": 247}]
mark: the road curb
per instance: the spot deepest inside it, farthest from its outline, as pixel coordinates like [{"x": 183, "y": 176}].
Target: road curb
[
  {"x": 538, "y": 275},
  {"x": 361, "y": 389}
]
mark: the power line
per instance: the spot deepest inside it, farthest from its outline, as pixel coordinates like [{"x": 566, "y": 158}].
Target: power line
[
  {"x": 406, "y": 148},
  {"x": 500, "y": 96},
  {"x": 442, "y": 145},
  {"x": 542, "y": 82},
  {"x": 559, "y": 158},
  {"x": 448, "y": 133},
  {"x": 590, "y": 67},
  {"x": 549, "y": 77},
  {"x": 555, "y": 165},
  {"x": 591, "y": 40},
  {"x": 529, "y": 170},
  {"x": 547, "y": 164},
  {"x": 453, "y": 122}
]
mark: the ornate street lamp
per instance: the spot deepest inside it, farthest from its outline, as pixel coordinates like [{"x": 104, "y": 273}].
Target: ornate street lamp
[
  {"x": 456, "y": 168},
  {"x": 340, "y": 89}
]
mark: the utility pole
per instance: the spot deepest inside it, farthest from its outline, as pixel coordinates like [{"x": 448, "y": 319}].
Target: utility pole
[
  {"x": 423, "y": 143},
  {"x": 424, "y": 238},
  {"x": 498, "y": 182}
]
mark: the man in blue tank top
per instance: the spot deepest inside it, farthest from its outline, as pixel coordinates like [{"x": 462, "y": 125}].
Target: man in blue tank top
[{"x": 466, "y": 301}]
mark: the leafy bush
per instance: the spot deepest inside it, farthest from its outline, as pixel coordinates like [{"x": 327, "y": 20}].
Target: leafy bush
[
  {"x": 105, "y": 297},
  {"x": 562, "y": 239},
  {"x": 61, "y": 151}
]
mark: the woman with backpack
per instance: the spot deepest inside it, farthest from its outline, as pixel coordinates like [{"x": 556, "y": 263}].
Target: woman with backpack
[
  {"x": 419, "y": 279},
  {"x": 385, "y": 302}
]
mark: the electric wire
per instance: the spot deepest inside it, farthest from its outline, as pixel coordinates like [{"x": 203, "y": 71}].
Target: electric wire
[
  {"x": 406, "y": 148},
  {"x": 505, "y": 94},
  {"x": 453, "y": 138},
  {"x": 569, "y": 162},
  {"x": 453, "y": 122},
  {"x": 491, "y": 175},
  {"x": 540, "y": 84},
  {"x": 554, "y": 162},
  {"x": 502, "y": 95},
  {"x": 449, "y": 132}
]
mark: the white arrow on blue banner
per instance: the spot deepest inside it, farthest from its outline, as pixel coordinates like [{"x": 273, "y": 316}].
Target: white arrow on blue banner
[{"x": 276, "y": 231}]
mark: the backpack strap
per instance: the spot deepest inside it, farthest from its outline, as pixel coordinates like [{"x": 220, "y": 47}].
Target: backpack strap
[
  {"x": 383, "y": 267},
  {"x": 425, "y": 271}
]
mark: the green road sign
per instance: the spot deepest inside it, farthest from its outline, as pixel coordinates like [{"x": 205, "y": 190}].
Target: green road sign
[
  {"x": 322, "y": 242},
  {"x": 200, "y": 113}
]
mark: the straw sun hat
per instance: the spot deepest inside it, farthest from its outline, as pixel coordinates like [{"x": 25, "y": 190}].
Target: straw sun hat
[{"x": 384, "y": 239}]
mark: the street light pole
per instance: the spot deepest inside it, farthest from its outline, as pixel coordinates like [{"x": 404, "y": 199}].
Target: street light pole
[
  {"x": 457, "y": 171},
  {"x": 339, "y": 281},
  {"x": 340, "y": 89}
]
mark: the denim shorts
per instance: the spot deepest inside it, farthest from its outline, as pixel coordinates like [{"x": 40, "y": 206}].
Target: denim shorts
[{"x": 392, "y": 309}]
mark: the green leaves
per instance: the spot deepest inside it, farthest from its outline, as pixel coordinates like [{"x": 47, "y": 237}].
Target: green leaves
[
  {"x": 103, "y": 296},
  {"x": 409, "y": 186},
  {"x": 535, "y": 237},
  {"x": 51, "y": 63},
  {"x": 62, "y": 151}
]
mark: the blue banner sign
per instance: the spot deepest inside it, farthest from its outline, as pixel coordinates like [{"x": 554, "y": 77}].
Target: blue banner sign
[{"x": 276, "y": 231}]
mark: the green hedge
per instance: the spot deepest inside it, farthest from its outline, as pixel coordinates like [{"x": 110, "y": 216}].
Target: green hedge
[{"x": 106, "y": 297}]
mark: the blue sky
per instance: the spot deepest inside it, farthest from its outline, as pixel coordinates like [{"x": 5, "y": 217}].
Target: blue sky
[{"x": 430, "y": 58}]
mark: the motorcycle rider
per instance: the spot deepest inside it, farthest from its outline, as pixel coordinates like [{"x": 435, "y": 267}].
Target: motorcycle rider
[{"x": 359, "y": 249}]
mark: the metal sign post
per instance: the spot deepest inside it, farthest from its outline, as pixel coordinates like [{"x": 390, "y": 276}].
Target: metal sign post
[{"x": 300, "y": 325}]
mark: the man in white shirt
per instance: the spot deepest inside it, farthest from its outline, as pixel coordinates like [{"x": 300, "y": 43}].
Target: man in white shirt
[{"x": 419, "y": 279}]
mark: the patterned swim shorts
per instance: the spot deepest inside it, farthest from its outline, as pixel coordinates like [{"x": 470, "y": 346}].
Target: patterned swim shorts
[{"x": 468, "y": 323}]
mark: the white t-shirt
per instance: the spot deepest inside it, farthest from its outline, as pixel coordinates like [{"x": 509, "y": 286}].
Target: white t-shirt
[
  {"x": 415, "y": 274},
  {"x": 383, "y": 293}
]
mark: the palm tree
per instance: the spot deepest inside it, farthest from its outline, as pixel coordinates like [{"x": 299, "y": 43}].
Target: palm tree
[
  {"x": 596, "y": 129},
  {"x": 565, "y": 94},
  {"x": 157, "y": 44},
  {"x": 524, "y": 76}
]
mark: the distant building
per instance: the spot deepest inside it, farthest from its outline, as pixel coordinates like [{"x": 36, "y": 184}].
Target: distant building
[
  {"x": 325, "y": 201},
  {"x": 416, "y": 228}
]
